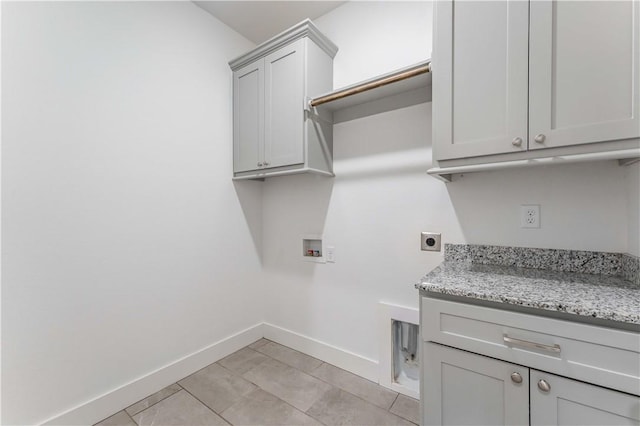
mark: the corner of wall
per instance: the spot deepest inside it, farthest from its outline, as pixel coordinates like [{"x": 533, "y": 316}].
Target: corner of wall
[{"x": 632, "y": 183}]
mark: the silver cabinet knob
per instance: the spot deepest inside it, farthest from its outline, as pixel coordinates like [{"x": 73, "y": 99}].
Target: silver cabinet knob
[
  {"x": 516, "y": 377},
  {"x": 540, "y": 138},
  {"x": 516, "y": 141},
  {"x": 543, "y": 385},
  {"x": 266, "y": 163},
  {"x": 259, "y": 164}
]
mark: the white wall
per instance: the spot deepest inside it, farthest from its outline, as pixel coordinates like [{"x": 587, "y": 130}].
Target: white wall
[
  {"x": 126, "y": 246},
  {"x": 388, "y": 34},
  {"x": 583, "y": 207},
  {"x": 381, "y": 198}
]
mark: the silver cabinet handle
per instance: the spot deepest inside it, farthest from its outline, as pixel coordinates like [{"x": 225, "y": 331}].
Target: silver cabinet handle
[
  {"x": 540, "y": 138},
  {"x": 259, "y": 164},
  {"x": 516, "y": 141},
  {"x": 266, "y": 163},
  {"x": 516, "y": 377},
  {"x": 532, "y": 345},
  {"x": 543, "y": 385}
]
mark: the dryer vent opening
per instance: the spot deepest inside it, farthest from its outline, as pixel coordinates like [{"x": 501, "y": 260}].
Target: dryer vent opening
[{"x": 406, "y": 354}]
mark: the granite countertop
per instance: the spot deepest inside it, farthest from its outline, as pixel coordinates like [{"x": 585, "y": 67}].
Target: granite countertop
[{"x": 586, "y": 295}]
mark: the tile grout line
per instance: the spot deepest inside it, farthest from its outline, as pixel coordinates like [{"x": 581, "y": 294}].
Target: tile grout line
[
  {"x": 363, "y": 400},
  {"x": 394, "y": 401},
  {"x": 279, "y": 399},
  {"x": 262, "y": 338},
  {"x": 287, "y": 365},
  {"x": 321, "y": 364},
  {"x": 294, "y": 350},
  {"x": 243, "y": 378},
  {"x": 264, "y": 390},
  {"x": 401, "y": 416},
  {"x": 374, "y": 383},
  {"x": 131, "y": 417},
  {"x": 328, "y": 383},
  {"x": 136, "y": 413},
  {"x": 209, "y": 408},
  {"x": 388, "y": 410},
  {"x": 324, "y": 381}
]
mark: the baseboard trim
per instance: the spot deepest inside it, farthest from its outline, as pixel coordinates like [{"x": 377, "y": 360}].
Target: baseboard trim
[
  {"x": 117, "y": 399},
  {"x": 342, "y": 358},
  {"x": 113, "y": 401}
]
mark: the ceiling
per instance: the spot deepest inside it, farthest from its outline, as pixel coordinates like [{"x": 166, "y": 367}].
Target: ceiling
[{"x": 260, "y": 20}]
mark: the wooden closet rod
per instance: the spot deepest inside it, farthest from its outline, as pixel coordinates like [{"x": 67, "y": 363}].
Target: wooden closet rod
[{"x": 370, "y": 85}]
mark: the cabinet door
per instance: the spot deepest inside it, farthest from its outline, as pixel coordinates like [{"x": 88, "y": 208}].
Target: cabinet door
[
  {"x": 569, "y": 402},
  {"x": 584, "y": 75},
  {"x": 248, "y": 117},
  {"x": 480, "y": 78},
  {"x": 461, "y": 388},
  {"x": 284, "y": 106}
]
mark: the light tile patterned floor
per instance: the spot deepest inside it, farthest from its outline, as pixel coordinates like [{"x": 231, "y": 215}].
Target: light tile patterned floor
[{"x": 270, "y": 384}]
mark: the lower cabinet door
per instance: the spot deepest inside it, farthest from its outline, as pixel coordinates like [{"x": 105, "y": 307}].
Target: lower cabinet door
[
  {"x": 560, "y": 401},
  {"x": 461, "y": 388}
]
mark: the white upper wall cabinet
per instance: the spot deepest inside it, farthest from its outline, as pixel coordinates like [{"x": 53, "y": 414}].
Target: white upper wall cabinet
[
  {"x": 516, "y": 76},
  {"x": 583, "y": 72},
  {"x": 272, "y": 133},
  {"x": 248, "y": 121},
  {"x": 284, "y": 115},
  {"x": 480, "y": 77}
]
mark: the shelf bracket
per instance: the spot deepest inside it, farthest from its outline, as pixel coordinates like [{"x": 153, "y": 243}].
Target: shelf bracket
[
  {"x": 444, "y": 177},
  {"x": 628, "y": 161},
  {"x": 312, "y": 113}
]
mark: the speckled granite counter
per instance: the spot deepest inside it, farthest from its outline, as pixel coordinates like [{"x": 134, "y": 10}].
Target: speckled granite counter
[{"x": 603, "y": 297}]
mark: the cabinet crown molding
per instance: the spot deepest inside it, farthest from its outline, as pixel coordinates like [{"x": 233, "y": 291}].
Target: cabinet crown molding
[{"x": 305, "y": 28}]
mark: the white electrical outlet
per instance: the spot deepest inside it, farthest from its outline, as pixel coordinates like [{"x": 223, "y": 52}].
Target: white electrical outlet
[
  {"x": 530, "y": 216},
  {"x": 331, "y": 254},
  {"x": 430, "y": 241}
]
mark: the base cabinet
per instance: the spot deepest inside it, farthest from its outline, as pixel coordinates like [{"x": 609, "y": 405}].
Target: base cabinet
[
  {"x": 570, "y": 402},
  {"x": 489, "y": 366},
  {"x": 463, "y": 388}
]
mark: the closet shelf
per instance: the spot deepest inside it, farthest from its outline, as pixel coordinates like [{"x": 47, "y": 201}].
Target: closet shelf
[{"x": 403, "y": 80}]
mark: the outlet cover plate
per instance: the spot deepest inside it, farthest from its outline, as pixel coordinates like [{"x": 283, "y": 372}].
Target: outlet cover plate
[
  {"x": 530, "y": 216},
  {"x": 430, "y": 241},
  {"x": 330, "y": 254}
]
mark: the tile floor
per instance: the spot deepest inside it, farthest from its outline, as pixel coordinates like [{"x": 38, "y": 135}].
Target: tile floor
[{"x": 270, "y": 384}]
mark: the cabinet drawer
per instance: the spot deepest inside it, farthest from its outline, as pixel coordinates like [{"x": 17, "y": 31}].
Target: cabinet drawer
[{"x": 594, "y": 354}]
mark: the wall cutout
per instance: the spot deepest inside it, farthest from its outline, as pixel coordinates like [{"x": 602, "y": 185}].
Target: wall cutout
[
  {"x": 399, "y": 340},
  {"x": 406, "y": 354},
  {"x": 312, "y": 249}
]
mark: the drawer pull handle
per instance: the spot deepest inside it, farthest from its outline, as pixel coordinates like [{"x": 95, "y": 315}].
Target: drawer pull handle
[{"x": 532, "y": 345}]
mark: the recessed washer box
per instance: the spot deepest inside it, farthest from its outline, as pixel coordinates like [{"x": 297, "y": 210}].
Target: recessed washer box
[{"x": 312, "y": 249}]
